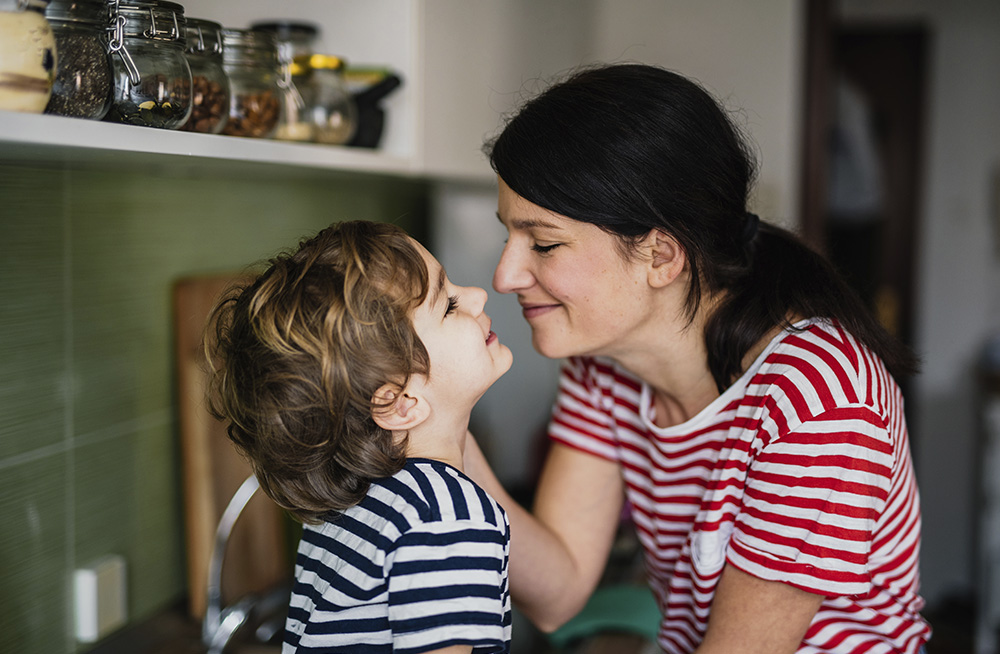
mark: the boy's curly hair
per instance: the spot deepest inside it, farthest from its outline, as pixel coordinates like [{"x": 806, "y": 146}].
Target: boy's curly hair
[{"x": 297, "y": 354}]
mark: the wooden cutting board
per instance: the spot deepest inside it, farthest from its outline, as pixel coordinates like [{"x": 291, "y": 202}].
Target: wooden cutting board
[{"x": 257, "y": 555}]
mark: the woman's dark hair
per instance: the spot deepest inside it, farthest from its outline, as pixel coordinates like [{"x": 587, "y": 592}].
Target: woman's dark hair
[
  {"x": 296, "y": 356},
  {"x": 632, "y": 148}
]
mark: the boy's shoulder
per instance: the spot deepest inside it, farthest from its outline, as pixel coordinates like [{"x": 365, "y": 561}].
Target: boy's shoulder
[{"x": 423, "y": 493}]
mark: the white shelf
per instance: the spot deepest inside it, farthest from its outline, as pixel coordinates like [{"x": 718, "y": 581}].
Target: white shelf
[{"x": 54, "y": 139}]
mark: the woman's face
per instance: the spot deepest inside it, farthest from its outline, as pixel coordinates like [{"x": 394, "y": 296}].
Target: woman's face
[{"x": 576, "y": 290}]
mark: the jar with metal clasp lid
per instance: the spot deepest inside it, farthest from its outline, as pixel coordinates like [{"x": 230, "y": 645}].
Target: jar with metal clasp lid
[
  {"x": 27, "y": 56},
  {"x": 151, "y": 75},
  {"x": 250, "y": 60},
  {"x": 209, "y": 82},
  {"x": 294, "y": 39},
  {"x": 329, "y": 105},
  {"x": 82, "y": 86}
]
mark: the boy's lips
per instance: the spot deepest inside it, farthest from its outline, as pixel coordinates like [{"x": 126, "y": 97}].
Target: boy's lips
[{"x": 491, "y": 337}]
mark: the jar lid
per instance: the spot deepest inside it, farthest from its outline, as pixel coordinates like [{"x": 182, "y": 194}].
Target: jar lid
[
  {"x": 286, "y": 29},
  {"x": 303, "y": 64},
  {"x": 239, "y": 46},
  {"x": 93, "y": 12},
  {"x": 157, "y": 20},
  {"x": 203, "y": 36}
]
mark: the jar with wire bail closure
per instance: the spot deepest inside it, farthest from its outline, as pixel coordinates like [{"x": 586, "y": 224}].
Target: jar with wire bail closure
[
  {"x": 151, "y": 75},
  {"x": 27, "y": 56},
  {"x": 82, "y": 85},
  {"x": 294, "y": 39},
  {"x": 209, "y": 82},
  {"x": 329, "y": 105},
  {"x": 250, "y": 60}
]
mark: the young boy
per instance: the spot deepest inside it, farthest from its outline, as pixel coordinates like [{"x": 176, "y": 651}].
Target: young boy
[{"x": 347, "y": 372}]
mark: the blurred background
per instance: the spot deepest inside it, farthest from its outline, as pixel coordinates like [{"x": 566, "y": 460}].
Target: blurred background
[{"x": 877, "y": 124}]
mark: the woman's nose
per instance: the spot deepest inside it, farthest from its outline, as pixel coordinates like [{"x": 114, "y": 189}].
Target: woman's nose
[{"x": 511, "y": 275}]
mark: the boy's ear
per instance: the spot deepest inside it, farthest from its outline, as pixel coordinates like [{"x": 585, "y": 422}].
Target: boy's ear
[
  {"x": 666, "y": 258},
  {"x": 397, "y": 409}
]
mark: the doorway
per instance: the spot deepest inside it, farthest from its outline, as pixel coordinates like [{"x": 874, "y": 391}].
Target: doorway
[{"x": 864, "y": 143}]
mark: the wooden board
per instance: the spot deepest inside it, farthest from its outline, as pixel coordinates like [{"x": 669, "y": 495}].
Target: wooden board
[{"x": 257, "y": 556}]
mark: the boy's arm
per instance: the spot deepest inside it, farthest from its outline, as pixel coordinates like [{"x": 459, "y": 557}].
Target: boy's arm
[
  {"x": 454, "y": 649},
  {"x": 557, "y": 554}
]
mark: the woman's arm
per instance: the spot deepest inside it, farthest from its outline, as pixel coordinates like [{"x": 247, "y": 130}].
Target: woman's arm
[
  {"x": 754, "y": 616},
  {"x": 557, "y": 554}
]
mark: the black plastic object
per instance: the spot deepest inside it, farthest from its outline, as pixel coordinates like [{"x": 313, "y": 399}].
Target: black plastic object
[{"x": 371, "y": 117}]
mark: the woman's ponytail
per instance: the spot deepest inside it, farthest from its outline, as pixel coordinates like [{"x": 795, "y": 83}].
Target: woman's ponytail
[{"x": 786, "y": 279}]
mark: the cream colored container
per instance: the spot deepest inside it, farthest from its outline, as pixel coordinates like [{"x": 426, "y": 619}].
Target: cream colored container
[{"x": 27, "y": 57}]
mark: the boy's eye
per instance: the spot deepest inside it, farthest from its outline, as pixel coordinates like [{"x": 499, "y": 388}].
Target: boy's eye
[
  {"x": 543, "y": 249},
  {"x": 452, "y": 305}
]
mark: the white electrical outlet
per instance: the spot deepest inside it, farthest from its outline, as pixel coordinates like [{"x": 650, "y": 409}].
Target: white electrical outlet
[{"x": 100, "y": 600}]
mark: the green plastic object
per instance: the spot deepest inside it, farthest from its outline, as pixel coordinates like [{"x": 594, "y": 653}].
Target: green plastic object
[{"x": 622, "y": 608}]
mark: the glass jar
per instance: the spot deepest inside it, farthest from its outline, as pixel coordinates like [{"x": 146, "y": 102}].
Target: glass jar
[
  {"x": 209, "y": 82},
  {"x": 250, "y": 59},
  {"x": 294, "y": 40},
  {"x": 27, "y": 56},
  {"x": 82, "y": 85},
  {"x": 330, "y": 106},
  {"x": 151, "y": 77}
]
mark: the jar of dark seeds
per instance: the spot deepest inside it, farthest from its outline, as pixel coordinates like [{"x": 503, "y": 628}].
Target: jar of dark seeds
[
  {"x": 82, "y": 85},
  {"x": 151, "y": 77},
  {"x": 250, "y": 59},
  {"x": 209, "y": 82}
]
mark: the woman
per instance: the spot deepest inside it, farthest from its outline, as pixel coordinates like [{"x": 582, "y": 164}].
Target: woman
[{"x": 719, "y": 376}]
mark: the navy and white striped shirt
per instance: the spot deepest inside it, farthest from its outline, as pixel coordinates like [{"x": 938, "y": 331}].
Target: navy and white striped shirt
[{"x": 419, "y": 564}]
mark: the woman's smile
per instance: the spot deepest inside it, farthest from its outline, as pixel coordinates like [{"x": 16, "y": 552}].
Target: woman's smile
[{"x": 535, "y": 310}]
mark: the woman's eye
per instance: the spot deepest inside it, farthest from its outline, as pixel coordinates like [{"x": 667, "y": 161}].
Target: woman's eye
[
  {"x": 452, "y": 305},
  {"x": 542, "y": 249}
]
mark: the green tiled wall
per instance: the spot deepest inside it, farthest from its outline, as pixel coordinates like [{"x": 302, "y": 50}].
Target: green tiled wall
[{"x": 89, "y": 459}]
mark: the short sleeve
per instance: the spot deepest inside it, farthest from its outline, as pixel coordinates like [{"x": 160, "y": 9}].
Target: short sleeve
[
  {"x": 812, "y": 501},
  {"x": 581, "y": 417},
  {"x": 448, "y": 586}
]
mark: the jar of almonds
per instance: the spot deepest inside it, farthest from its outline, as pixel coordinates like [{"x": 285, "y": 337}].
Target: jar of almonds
[
  {"x": 250, "y": 59},
  {"x": 209, "y": 82},
  {"x": 152, "y": 79}
]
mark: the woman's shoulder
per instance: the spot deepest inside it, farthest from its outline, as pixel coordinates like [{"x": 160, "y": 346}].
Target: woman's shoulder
[{"x": 820, "y": 363}]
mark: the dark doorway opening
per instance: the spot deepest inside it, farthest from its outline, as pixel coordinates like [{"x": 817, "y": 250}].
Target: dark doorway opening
[{"x": 863, "y": 155}]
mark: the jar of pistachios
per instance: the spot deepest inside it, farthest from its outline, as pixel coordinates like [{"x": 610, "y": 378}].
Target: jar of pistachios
[
  {"x": 209, "y": 82},
  {"x": 250, "y": 60},
  {"x": 151, "y": 76},
  {"x": 27, "y": 56},
  {"x": 82, "y": 85}
]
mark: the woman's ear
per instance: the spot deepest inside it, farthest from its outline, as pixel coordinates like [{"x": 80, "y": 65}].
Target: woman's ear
[
  {"x": 667, "y": 258},
  {"x": 396, "y": 409}
]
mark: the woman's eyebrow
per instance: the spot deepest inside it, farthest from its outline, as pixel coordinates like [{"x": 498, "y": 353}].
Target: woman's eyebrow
[{"x": 528, "y": 223}]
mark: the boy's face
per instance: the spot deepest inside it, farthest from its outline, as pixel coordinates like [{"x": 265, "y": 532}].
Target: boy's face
[{"x": 466, "y": 357}]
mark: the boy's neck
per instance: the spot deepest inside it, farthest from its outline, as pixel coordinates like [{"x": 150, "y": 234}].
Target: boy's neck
[{"x": 439, "y": 438}]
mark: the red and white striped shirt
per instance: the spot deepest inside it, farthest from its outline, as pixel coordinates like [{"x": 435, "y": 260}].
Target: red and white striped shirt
[{"x": 800, "y": 472}]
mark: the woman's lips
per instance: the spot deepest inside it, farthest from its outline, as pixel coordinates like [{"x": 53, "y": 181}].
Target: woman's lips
[{"x": 534, "y": 310}]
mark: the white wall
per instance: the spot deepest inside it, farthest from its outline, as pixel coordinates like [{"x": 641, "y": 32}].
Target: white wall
[
  {"x": 958, "y": 269},
  {"x": 748, "y": 54}
]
